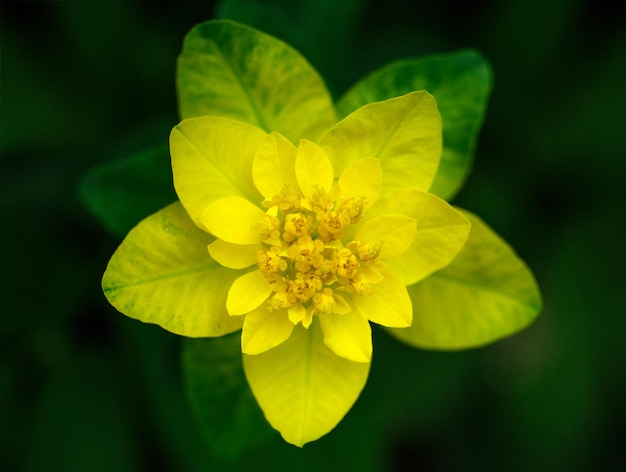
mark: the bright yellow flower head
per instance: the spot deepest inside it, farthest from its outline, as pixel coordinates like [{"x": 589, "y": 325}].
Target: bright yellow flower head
[
  {"x": 306, "y": 246},
  {"x": 313, "y": 256},
  {"x": 316, "y": 228}
]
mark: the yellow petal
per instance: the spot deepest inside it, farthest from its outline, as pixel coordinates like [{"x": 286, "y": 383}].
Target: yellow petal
[
  {"x": 304, "y": 388},
  {"x": 162, "y": 274},
  {"x": 348, "y": 335},
  {"x": 264, "y": 329},
  {"x": 308, "y": 318},
  {"x": 313, "y": 168},
  {"x": 362, "y": 178},
  {"x": 296, "y": 313},
  {"x": 273, "y": 166},
  {"x": 341, "y": 305},
  {"x": 233, "y": 220},
  {"x": 373, "y": 275},
  {"x": 404, "y": 133},
  {"x": 247, "y": 293},
  {"x": 441, "y": 233},
  {"x": 396, "y": 232},
  {"x": 389, "y": 305},
  {"x": 211, "y": 159},
  {"x": 234, "y": 256},
  {"x": 485, "y": 294}
]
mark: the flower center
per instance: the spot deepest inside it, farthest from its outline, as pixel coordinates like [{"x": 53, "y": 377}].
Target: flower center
[{"x": 304, "y": 260}]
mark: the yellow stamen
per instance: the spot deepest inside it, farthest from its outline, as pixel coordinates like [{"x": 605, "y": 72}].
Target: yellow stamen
[
  {"x": 268, "y": 227},
  {"x": 296, "y": 225},
  {"x": 305, "y": 261},
  {"x": 366, "y": 251},
  {"x": 269, "y": 261},
  {"x": 324, "y": 301},
  {"x": 347, "y": 265}
]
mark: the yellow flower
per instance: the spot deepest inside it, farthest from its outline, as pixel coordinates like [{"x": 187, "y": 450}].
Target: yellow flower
[
  {"x": 307, "y": 244},
  {"x": 319, "y": 260}
]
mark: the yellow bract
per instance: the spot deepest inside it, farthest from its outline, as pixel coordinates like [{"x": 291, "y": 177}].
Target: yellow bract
[
  {"x": 313, "y": 170},
  {"x": 273, "y": 165},
  {"x": 234, "y": 256},
  {"x": 403, "y": 134},
  {"x": 304, "y": 388},
  {"x": 500, "y": 298},
  {"x": 234, "y": 220},
  {"x": 305, "y": 265},
  {"x": 247, "y": 293},
  {"x": 307, "y": 245},
  {"x": 263, "y": 330},
  {"x": 210, "y": 161}
]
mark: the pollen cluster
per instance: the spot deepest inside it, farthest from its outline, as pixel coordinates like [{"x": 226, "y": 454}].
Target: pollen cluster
[{"x": 304, "y": 260}]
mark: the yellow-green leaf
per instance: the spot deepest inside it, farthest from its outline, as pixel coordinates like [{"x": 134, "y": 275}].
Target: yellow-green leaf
[
  {"x": 485, "y": 294},
  {"x": 211, "y": 159},
  {"x": 404, "y": 133},
  {"x": 302, "y": 386},
  {"x": 163, "y": 274},
  {"x": 441, "y": 233},
  {"x": 232, "y": 70}
]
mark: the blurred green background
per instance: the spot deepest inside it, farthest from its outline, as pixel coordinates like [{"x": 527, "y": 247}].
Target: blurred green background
[{"x": 84, "y": 388}]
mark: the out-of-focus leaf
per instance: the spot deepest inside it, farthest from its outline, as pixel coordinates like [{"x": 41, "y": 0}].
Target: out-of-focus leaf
[
  {"x": 122, "y": 193},
  {"x": 81, "y": 421},
  {"x": 226, "y": 411},
  {"x": 461, "y": 84},
  {"x": 322, "y": 30},
  {"x": 232, "y": 70},
  {"x": 485, "y": 294}
]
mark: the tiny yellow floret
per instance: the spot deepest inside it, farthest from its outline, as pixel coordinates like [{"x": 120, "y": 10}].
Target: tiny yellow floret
[
  {"x": 296, "y": 225},
  {"x": 303, "y": 257}
]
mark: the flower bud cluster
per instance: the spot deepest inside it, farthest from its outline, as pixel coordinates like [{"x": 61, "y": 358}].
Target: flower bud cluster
[{"x": 303, "y": 257}]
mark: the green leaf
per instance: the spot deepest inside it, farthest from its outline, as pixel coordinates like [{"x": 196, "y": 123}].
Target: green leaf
[
  {"x": 162, "y": 273},
  {"x": 485, "y": 294},
  {"x": 324, "y": 31},
  {"x": 122, "y": 193},
  {"x": 461, "y": 84},
  {"x": 226, "y": 411},
  {"x": 235, "y": 71}
]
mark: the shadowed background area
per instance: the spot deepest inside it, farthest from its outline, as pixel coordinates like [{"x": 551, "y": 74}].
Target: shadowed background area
[{"x": 84, "y": 388}]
